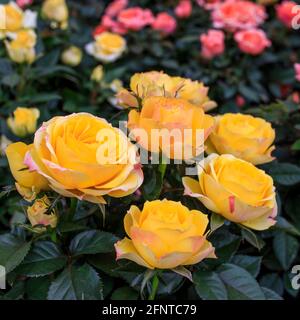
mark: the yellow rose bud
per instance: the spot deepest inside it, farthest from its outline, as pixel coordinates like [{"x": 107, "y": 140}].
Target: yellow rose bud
[
  {"x": 21, "y": 48},
  {"x": 172, "y": 126},
  {"x": 235, "y": 189},
  {"x": 159, "y": 84},
  {"x": 29, "y": 182},
  {"x": 56, "y": 11},
  {"x": 108, "y": 47},
  {"x": 38, "y": 215},
  {"x": 72, "y": 56},
  {"x": 83, "y": 156},
  {"x": 24, "y": 121},
  {"x": 97, "y": 74},
  {"x": 126, "y": 99},
  {"x": 244, "y": 136},
  {"x": 165, "y": 235}
]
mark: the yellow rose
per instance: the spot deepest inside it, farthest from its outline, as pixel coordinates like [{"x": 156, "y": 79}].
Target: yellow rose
[
  {"x": 235, "y": 189},
  {"x": 13, "y": 17},
  {"x": 177, "y": 123},
  {"x": 165, "y": 235},
  {"x": 244, "y": 136},
  {"x": 83, "y": 156},
  {"x": 159, "y": 84},
  {"x": 21, "y": 48},
  {"x": 24, "y": 121},
  {"x": 108, "y": 47},
  {"x": 56, "y": 11},
  {"x": 37, "y": 213},
  {"x": 97, "y": 74},
  {"x": 72, "y": 56},
  {"x": 29, "y": 183}
]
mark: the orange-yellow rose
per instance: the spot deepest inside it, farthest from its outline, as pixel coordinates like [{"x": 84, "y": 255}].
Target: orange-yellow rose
[
  {"x": 235, "y": 189},
  {"x": 165, "y": 235},
  {"x": 177, "y": 123},
  {"x": 244, "y": 136},
  {"x": 159, "y": 84},
  {"x": 29, "y": 183},
  {"x": 83, "y": 156}
]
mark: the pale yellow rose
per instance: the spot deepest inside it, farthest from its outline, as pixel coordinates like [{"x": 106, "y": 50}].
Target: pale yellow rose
[
  {"x": 38, "y": 213},
  {"x": 107, "y": 47},
  {"x": 29, "y": 183},
  {"x": 182, "y": 127},
  {"x": 24, "y": 121},
  {"x": 235, "y": 189},
  {"x": 244, "y": 136},
  {"x": 21, "y": 46},
  {"x": 83, "y": 156},
  {"x": 72, "y": 56},
  {"x": 165, "y": 235},
  {"x": 57, "y": 12},
  {"x": 159, "y": 84},
  {"x": 97, "y": 74}
]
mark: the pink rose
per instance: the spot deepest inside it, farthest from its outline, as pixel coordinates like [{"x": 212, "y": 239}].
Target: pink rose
[
  {"x": 234, "y": 15},
  {"x": 253, "y": 41},
  {"x": 115, "y": 7},
  {"x": 297, "y": 70},
  {"x": 135, "y": 18},
  {"x": 212, "y": 43},
  {"x": 285, "y": 12},
  {"x": 164, "y": 23},
  {"x": 24, "y": 3},
  {"x": 184, "y": 9}
]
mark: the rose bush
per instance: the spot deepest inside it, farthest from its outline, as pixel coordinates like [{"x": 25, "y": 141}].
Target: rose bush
[{"x": 82, "y": 198}]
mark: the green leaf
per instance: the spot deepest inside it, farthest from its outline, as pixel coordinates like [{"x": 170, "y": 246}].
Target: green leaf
[
  {"x": 153, "y": 182},
  {"x": 286, "y": 174},
  {"x": 209, "y": 285},
  {"x": 44, "y": 258},
  {"x": 15, "y": 293},
  {"x": 285, "y": 248},
  {"x": 252, "y": 238},
  {"x": 76, "y": 283},
  {"x": 239, "y": 283},
  {"x": 40, "y": 98},
  {"x": 270, "y": 294},
  {"x": 284, "y": 225},
  {"x": 273, "y": 282},
  {"x": 124, "y": 293},
  {"x": 13, "y": 250},
  {"x": 296, "y": 145},
  {"x": 92, "y": 242},
  {"x": 216, "y": 221},
  {"x": 11, "y": 80},
  {"x": 249, "y": 263},
  {"x": 37, "y": 288}
]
